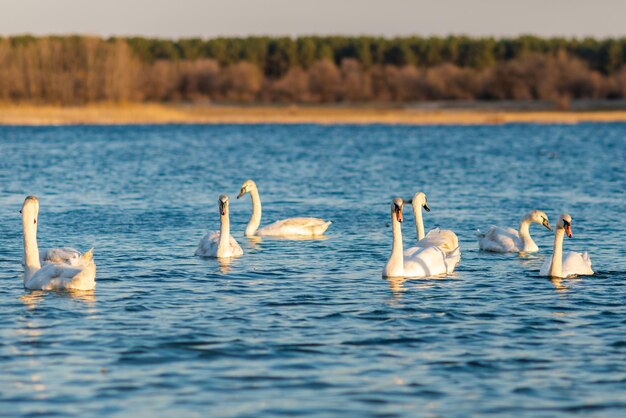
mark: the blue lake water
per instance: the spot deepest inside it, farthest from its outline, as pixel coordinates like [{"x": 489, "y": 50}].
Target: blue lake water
[{"x": 310, "y": 328}]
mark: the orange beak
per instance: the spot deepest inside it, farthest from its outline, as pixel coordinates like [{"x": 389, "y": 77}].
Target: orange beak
[
  {"x": 399, "y": 214},
  {"x": 568, "y": 230}
]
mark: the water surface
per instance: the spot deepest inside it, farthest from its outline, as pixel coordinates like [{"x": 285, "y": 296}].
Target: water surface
[{"x": 310, "y": 328}]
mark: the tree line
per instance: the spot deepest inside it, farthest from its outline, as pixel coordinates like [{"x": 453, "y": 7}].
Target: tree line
[{"x": 81, "y": 69}]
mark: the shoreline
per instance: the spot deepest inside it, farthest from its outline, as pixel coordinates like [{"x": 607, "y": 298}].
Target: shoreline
[{"x": 152, "y": 113}]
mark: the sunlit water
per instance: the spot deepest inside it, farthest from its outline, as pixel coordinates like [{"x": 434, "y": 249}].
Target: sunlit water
[{"x": 310, "y": 327}]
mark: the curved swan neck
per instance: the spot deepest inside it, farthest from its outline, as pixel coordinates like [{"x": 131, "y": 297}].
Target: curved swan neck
[
  {"x": 255, "y": 218},
  {"x": 31, "y": 250},
  {"x": 224, "y": 231},
  {"x": 524, "y": 233},
  {"x": 556, "y": 267},
  {"x": 395, "y": 265},
  {"x": 419, "y": 222}
]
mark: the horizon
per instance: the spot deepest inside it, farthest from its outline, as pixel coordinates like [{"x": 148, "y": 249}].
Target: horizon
[
  {"x": 278, "y": 18},
  {"x": 310, "y": 35}
]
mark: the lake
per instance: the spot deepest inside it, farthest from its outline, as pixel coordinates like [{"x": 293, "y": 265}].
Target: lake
[{"x": 310, "y": 328}]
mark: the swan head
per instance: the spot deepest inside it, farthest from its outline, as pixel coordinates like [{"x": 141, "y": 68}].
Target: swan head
[
  {"x": 565, "y": 222},
  {"x": 419, "y": 200},
  {"x": 540, "y": 217},
  {"x": 396, "y": 208},
  {"x": 30, "y": 210},
  {"x": 246, "y": 187},
  {"x": 223, "y": 204}
]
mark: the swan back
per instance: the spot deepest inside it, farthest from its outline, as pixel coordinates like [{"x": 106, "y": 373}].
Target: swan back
[
  {"x": 77, "y": 273},
  {"x": 499, "y": 240},
  {"x": 442, "y": 238},
  {"x": 295, "y": 227},
  {"x": 578, "y": 264}
]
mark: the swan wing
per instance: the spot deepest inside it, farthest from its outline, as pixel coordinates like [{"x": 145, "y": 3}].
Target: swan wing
[
  {"x": 577, "y": 264},
  {"x": 74, "y": 273},
  {"x": 499, "y": 240},
  {"x": 295, "y": 227},
  {"x": 207, "y": 247},
  {"x": 430, "y": 261},
  {"x": 59, "y": 255},
  {"x": 545, "y": 268},
  {"x": 235, "y": 248},
  {"x": 442, "y": 238}
]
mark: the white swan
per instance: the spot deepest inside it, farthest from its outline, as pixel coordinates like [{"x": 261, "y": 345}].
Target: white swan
[
  {"x": 573, "y": 263},
  {"x": 287, "y": 227},
  {"x": 442, "y": 238},
  {"x": 429, "y": 261},
  {"x": 220, "y": 244},
  {"x": 55, "y": 269},
  {"x": 503, "y": 240}
]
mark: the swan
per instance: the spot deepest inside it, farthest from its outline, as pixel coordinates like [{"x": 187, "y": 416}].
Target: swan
[
  {"x": 285, "y": 228},
  {"x": 428, "y": 261},
  {"x": 573, "y": 263},
  {"x": 55, "y": 269},
  {"x": 220, "y": 244},
  {"x": 503, "y": 240},
  {"x": 442, "y": 238}
]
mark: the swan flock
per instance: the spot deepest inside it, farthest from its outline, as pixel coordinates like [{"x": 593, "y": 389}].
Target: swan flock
[{"x": 436, "y": 253}]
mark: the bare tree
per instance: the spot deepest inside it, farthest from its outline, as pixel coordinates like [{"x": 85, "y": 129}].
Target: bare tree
[{"x": 324, "y": 79}]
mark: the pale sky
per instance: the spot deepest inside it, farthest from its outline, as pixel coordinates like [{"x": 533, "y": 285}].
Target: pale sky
[{"x": 210, "y": 18}]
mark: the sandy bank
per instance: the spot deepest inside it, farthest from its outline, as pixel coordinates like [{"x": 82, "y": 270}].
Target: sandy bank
[{"x": 163, "y": 114}]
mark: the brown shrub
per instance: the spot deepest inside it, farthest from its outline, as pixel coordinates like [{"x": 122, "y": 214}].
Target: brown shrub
[
  {"x": 324, "y": 81},
  {"x": 294, "y": 86},
  {"x": 241, "y": 81}
]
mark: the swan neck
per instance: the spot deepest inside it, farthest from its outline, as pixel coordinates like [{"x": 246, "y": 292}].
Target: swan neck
[
  {"x": 556, "y": 267},
  {"x": 419, "y": 222},
  {"x": 524, "y": 233},
  {"x": 31, "y": 250},
  {"x": 395, "y": 265},
  {"x": 224, "y": 231},
  {"x": 255, "y": 218}
]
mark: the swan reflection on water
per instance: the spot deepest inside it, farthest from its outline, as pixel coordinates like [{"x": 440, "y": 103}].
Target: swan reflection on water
[
  {"x": 564, "y": 284},
  {"x": 225, "y": 265},
  {"x": 397, "y": 284},
  {"x": 33, "y": 298},
  {"x": 257, "y": 239}
]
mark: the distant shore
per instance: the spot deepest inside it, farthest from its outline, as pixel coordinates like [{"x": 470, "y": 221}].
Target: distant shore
[{"x": 120, "y": 114}]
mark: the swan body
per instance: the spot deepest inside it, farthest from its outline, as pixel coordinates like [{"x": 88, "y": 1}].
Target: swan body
[
  {"x": 570, "y": 264},
  {"x": 54, "y": 269},
  {"x": 503, "y": 240},
  {"x": 422, "y": 261},
  {"x": 294, "y": 227},
  {"x": 441, "y": 238},
  {"x": 220, "y": 244},
  {"x": 287, "y": 227}
]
